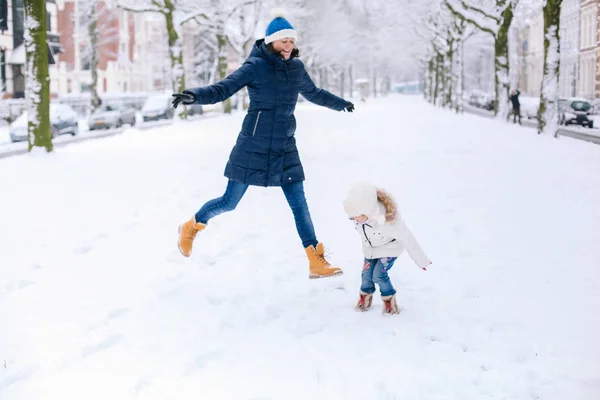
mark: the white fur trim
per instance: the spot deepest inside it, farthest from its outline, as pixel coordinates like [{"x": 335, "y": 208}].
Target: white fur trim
[
  {"x": 284, "y": 33},
  {"x": 379, "y": 219},
  {"x": 278, "y": 12}
]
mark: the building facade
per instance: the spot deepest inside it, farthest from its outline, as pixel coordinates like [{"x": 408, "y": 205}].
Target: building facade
[
  {"x": 569, "y": 47},
  {"x": 587, "y": 49},
  {"x": 122, "y": 50},
  {"x": 12, "y": 47}
]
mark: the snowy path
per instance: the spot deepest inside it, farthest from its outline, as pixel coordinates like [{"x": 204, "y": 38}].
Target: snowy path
[{"x": 97, "y": 303}]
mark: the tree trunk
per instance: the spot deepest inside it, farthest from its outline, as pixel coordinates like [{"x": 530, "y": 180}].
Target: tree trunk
[
  {"x": 342, "y": 84},
  {"x": 460, "y": 77},
  {"x": 38, "y": 85},
  {"x": 175, "y": 53},
  {"x": 501, "y": 65},
  {"x": 351, "y": 80},
  {"x": 386, "y": 85},
  {"x": 449, "y": 72},
  {"x": 222, "y": 56},
  {"x": 430, "y": 76},
  {"x": 548, "y": 111},
  {"x": 375, "y": 82},
  {"x": 93, "y": 36},
  {"x": 514, "y": 58},
  {"x": 437, "y": 80},
  {"x": 426, "y": 83}
]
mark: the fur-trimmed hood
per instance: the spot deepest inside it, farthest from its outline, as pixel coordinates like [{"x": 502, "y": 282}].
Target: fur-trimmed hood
[{"x": 377, "y": 204}]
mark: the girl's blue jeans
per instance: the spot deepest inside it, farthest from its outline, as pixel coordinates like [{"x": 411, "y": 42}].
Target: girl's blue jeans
[
  {"x": 294, "y": 193},
  {"x": 375, "y": 271}
]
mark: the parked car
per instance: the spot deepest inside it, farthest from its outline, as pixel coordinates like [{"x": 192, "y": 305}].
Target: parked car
[
  {"x": 529, "y": 106},
  {"x": 575, "y": 111},
  {"x": 489, "y": 105},
  {"x": 63, "y": 120},
  {"x": 479, "y": 99},
  {"x": 195, "y": 109},
  {"x": 111, "y": 116},
  {"x": 158, "y": 107}
]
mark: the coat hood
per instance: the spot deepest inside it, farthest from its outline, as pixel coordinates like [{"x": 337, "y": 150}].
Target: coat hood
[
  {"x": 261, "y": 50},
  {"x": 365, "y": 198}
]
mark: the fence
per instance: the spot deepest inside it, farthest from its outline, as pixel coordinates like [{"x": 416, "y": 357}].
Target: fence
[{"x": 10, "y": 109}]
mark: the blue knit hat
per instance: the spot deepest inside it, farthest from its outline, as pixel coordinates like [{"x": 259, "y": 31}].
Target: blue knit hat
[{"x": 279, "y": 28}]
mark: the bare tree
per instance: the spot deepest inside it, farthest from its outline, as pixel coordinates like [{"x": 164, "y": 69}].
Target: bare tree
[
  {"x": 38, "y": 85},
  {"x": 97, "y": 22},
  {"x": 548, "y": 111},
  {"x": 176, "y": 13},
  {"x": 494, "y": 19}
]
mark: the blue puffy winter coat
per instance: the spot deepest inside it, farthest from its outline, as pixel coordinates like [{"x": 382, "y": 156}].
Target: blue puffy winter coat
[{"x": 265, "y": 153}]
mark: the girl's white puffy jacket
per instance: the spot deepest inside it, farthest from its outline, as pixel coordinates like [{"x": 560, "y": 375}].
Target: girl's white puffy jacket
[
  {"x": 390, "y": 240},
  {"x": 380, "y": 238}
]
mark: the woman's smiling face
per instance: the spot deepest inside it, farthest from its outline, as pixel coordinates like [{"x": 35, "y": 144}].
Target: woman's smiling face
[{"x": 284, "y": 47}]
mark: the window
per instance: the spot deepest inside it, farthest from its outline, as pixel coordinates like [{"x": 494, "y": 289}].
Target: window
[
  {"x": 588, "y": 30},
  {"x": 586, "y": 23},
  {"x": 2, "y": 70},
  {"x": 3, "y": 15},
  {"x": 18, "y": 82},
  {"x": 18, "y": 14},
  {"x": 48, "y": 21}
]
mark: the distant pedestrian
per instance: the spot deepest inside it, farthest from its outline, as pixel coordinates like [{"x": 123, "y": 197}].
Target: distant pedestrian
[{"x": 516, "y": 105}]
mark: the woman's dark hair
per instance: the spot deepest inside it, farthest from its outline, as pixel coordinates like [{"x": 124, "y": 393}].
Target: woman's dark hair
[{"x": 295, "y": 52}]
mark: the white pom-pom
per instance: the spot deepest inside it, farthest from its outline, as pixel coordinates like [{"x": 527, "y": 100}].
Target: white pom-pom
[{"x": 277, "y": 13}]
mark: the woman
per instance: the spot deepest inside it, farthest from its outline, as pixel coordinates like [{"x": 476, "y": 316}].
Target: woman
[{"x": 265, "y": 153}]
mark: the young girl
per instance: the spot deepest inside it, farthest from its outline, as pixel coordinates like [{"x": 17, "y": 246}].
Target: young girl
[{"x": 385, "y": 236}]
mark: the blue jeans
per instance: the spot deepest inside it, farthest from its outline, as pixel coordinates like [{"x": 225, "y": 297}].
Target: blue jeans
[
  {"x": 375, "y": 271},
  {"x": 294, "y": 193}
]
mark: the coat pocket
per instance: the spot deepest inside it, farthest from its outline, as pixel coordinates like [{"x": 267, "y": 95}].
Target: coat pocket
[{"x": 256, "y": 123}]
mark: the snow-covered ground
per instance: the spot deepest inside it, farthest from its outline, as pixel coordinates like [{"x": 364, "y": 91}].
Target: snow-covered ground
[{"x": 97, "y": 303}]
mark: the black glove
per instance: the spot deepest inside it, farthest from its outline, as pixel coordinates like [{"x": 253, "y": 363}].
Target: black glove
[
  {"x": 185, "y": 98},
  {"x": 349, "y": 107}
]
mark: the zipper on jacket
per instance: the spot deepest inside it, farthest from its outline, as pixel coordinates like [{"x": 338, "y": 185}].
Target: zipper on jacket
[
  {"x": 366, "y": 237},
  {"x": 256, "y": 124}
]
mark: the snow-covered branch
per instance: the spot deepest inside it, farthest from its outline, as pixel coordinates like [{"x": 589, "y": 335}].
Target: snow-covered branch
[
  {"x": 200, "y": 17},
  {"x": 489, "y": 25},
  {"x": 141, "y": 9}
]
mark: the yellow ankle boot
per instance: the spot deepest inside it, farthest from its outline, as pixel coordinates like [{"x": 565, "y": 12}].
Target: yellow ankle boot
[
  {"x": 318, "y": 266},
  {"x": 187, "y": 234}
]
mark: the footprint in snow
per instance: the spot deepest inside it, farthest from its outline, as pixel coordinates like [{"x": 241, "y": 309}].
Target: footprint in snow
[
  {"x": 141, "y": 384},
  {"x": 202, "y": 359},
  {"x": 22, "y": 284},
  {"x": 103, "y": 345},
  {"x": 116, "y": 313},
  {"x": 19, "y": 376},
  {"x": 83, "y": 250},
  {"x": 471, "y": 292}
]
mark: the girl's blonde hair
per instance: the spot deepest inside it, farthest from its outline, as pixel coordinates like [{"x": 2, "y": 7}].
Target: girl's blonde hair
[{"x": 391, "y": 211}]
